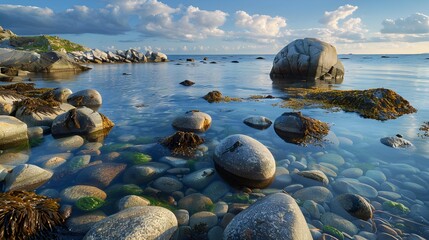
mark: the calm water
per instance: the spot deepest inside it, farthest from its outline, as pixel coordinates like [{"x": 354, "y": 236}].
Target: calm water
[{"x": 144, "y": 104}]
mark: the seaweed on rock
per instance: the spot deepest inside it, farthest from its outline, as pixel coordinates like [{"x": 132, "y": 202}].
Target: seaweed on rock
[
  {"x": 35, "y": 105},
  {"x": 216, "y": 97},
  {"x": 183, "y": 143},
  {"x": 25, "y": 89},
  {"x": 25, "y": 215}
]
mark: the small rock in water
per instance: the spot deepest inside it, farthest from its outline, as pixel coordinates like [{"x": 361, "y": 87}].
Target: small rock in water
[
  {"x": 89, "y": 98},
  {"x": 354, "y": 205},
  {"x": 396, "y": 142},
  {"x": 195, "y": 202},
  {"x": 258, "y": 122},
  {"x": 192, "y": 121},
  {"x": 311, "y": 178},
  {"x": 187, "y": 83},
  {"x": 132, "y": 201},
  {"x": 26, "y": 177}
]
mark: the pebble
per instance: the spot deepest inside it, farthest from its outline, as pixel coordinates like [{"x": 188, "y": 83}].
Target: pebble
[
  {"x": 220, "y": 209},
  {"x": 209, "y": 219},
  {"x": 14, "y": 158},
  {"x": 167, "y": 184},
  {"x": 349, "y": 185},
  {"x": 67, "y": 143},
  {"x": 352, "y": 172},
  {"x": 73, "y": 193},
  {"x": 26, "y": 177},
  {"x": 199, "y": 179},
  {"x": 316, "y": 193},
  {"x": 339, "y": 223},
  {"x": 132, "y": 201},
  {"x": 376, "y": 175},
  {"x": 82, "y": 223},
  {"x": 215, "y": 233},
  {"x": 182, "y": 216},
  {"x": 332, "y": 158},
  {"x": 195, "y": 202},
  {"x": 216, "y": 190},
  {"x": 174, "y": 161}
]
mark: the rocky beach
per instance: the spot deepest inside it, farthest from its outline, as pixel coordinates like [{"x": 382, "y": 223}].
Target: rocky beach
[{"x": 144, "y": 146}]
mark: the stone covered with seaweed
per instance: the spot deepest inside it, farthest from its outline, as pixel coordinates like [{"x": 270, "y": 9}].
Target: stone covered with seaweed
[
  {"x": 25, "y": 215},
  {"x": 183, "y": 143}
]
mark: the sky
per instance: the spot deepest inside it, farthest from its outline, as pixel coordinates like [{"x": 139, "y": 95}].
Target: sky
[{"x": 226, "y": 26}]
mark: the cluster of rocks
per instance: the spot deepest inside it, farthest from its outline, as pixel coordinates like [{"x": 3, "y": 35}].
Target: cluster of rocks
[{"x": 119, "y": 56}]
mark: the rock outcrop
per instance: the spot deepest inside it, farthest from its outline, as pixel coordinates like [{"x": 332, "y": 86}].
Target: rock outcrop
[{"x": 307, "y": 59}]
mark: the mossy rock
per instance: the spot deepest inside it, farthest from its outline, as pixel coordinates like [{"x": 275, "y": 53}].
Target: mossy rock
[
  {"x": 114, "y": 147},
  {"x": 396, "y": 208},
  {"x": 237, "y": 198},
  {"x": 135, "y": 157},
  {"x": 88, "y": 204},
  {"x": 120, "y": 190},
  {"x": 160, "y": 203},
  {"x": 333, "y": 231}
]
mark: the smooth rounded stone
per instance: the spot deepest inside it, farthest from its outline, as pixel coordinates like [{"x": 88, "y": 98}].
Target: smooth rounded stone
[
  {"x": 339, "y": 223},
  {"x": 61, "y": 94},
  {"x": 87, "y": 98},
  {"x": 73, "y": 193},
  {"x": 192, "y": 121},
  {"x": 346, "y": 142},
  {"x": 81, "y": 121},
  {"x": 258, "y": 122},
  {"x": 132, "y": 201},
  {"x": 281, "y": 181},
  {"x": 329, "y": 172},
  {"x": 386, "y": 236},
  {"x": 419, "y": 210},
  {"x": 349, "y": 185},
  {"x": 100, "y": 175},
  {"x": 35, "y": 132},
  {"x": 216, "y": 190},
  {"x": 53, "y": 163},
  {"x": 276, "y": 216},
  {"x": 368, "y": 235},
  {"x": 226, "y": 219},
  {"x": 311, "y": 178},
  {"x": 76, "y": 163},
  {"x": 195, "y": 202},
  {"x": 92, "y": 146},
  {"x": 414, "y": 187},
  {"x": 215, "y": 233},
  {"x": 351, "y": 206},
  {"x": 293, "y": 188},
  {"x": 389, "y": 195},
  {"x": 376, "y": 175},
  {"x": 404, "y": 168},
  {"x": 12, "y": 130},
  {"x": 414, "y": 237},
  {"x": 44, "y": 158},
  {"x": 369, "y": 181},
  {"x": 312, "y": 209},
  {"x": 243, "y": 160},
  {"x": 396, "y": 142},
  {"x": 82, "y": 223},
  {"x": 352, "y": 173},
  {"x": 298, "y": 165},
  {"x": 14, "y": 158},
  {"x": 26, "y": 177},
  {"x": 317, "y": 193},
  {"x": 148, "y": 222},
  {"x": 182, "y": 216},
  {"x": 67, "y": 143},
  {"x": 332, "y": 158},
  {"x": 220, "y": 209},
  {"x": 388, "y": 186},
  {"x": 307, "y": 58},
  {"x": 208, "y": 219},
  {"x": 39, "y": 118},
  {"x": 167, "y": 184},
  {"x": 363, "y": 225},
  {"x": 200, "y": 178},
  {"x": 179, "y": 171},
  {"x": 140, "y": 174},
  {"x": 174, "y": 161},
  {"x": 330, "y": 166}
]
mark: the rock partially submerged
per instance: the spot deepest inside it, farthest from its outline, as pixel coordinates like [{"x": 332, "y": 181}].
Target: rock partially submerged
[
  {"x": 295, "y": 128},
  {"x": 216, "y": 96},
  {"x": 12, "y": 132},
  {"x": 183, "y": 143},
  {"x": 86, "y": 98},
  {"x": 193, "y": 121},
  {"x": 307, "y": 59},
  {"x": 379, "y": 103},
  {"x": 396, "y": 142}
]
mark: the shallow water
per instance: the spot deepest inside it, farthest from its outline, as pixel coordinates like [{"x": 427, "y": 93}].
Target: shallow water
[{"x": 143, "y": 105}]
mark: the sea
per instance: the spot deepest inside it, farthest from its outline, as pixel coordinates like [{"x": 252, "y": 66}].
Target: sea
[{"x": 144, "y": 99}]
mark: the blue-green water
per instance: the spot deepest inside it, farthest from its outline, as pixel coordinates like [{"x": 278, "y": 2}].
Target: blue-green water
[{"x": 144, "y": 104}]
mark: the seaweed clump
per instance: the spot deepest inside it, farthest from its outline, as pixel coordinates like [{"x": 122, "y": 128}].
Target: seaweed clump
[
  {"x": 183, "y": 143},
  {"x": 216, "y": 97},
  {"x": 425, "y": 130},
  {"x": 25, "y": 215},
  {"x": 35, "y": 105},
  {"x": 25, "y": 89},
  {"x": 380, "y": 103}
]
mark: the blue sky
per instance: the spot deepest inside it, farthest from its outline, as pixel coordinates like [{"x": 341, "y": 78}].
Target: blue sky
[{"x": 225, "y": 26}]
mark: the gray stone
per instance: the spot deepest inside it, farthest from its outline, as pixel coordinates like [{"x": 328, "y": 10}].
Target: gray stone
[
  {"x": 12, "y": 131},
  {"x": 307, "y": 58},
  {"x": 216, "y": 190},
  {"x": 414, "y": 187},
  {"x": 244, "y": 161},
  {"x": 199, "y": 179},
  {"x": 312, "y": 208},
  {"x": 73, "y": 193},
  {"x": 14, "y": 158},
  {"x": 82, "y": 223},
  {"x": 35, "y": 132},
  {"x": 195, "y": 202},
  {"x": 88, "y": 98},
  {"x": 192, "y": 121},
  {"x": 140, "y": 174},
  {"x": 215, "y": 233},
  {"x": 352, "y": 173},
  {"x": 329, "y": 172},
  {"x": 100, "y": 175},
  {"x": 349, "y": 185},
  {"x": 132, "y": 201},
  {"x": 67, "y": 143},
  {"x": 26, "y": 177},
  {"x": 81, "y": 121},
  {"x": 209, "y": 219},
  {"x": 40, "y": 118},
  {"x": 174, "y": 161},
  {"x": 311, "y": 178},
  {"x": 317, "y": 193},
  {"x": 258, "y": 122},
  {"x": 369, "y": 181},
  {"x": 276, "y": 216},
  {"x": 404, "y": 168},
  {"x": 396, "y": 142},
  {"x": 220, "y": 209},
  {"x": 332, "y": 158},
  {"x": 389, "y": 195},
  {"x": 76, "y": 163},
  {"x": 148, "y": 222},
  {"x": 339, "y": 223},
  {"x": 376, "y": 175},
  {"x": 167, "y": 184},
  {"x": 61, "y": 94},
  {"x": 182, "y": 216}
]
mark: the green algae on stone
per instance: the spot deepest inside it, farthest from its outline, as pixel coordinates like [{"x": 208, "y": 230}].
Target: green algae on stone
[
  {"x": 333, "y": 231},
  {"x": 88, "y": 204},
  {"x": 396, "y": 208},
  {"x": 120, "y": 190},
  {"x": 136, "y": 158},
  {"x": 380, "y": 104},
  {"x": 160, "y": 203},
  {"x": 114, "y": 147},
  {"x": 237, "y": 198}
]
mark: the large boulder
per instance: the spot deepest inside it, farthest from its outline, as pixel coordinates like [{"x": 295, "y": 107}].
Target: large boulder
[
  {"x": 81, "y": 121},
  {"x": 146, "y": 222},
  {"x": 89, "y": 98},
  {"x": 307, "y": 59},
  {"x": 193, "y": 121},
  {"x": 37, "y": 112},
  {"x": 35, "y": 62},
  {"x": 7, "y": 99},
  {"x": 244, "y": 161},
  {"x": 276, "y": 216},
  {"x": 12, "y": 131},
  {"x": 26, "y": 177}
]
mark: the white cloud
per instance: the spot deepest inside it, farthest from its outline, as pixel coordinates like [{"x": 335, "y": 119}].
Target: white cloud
[
  {"x": 331, "y": 19},
  {"x": 259, "y": 25},
  {"x": 417, "y": 23}
]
